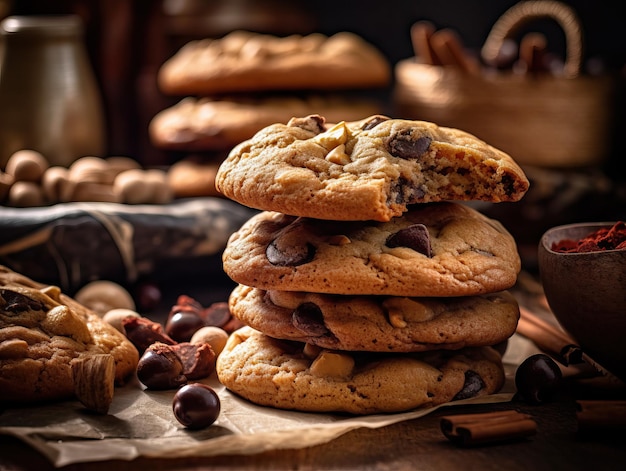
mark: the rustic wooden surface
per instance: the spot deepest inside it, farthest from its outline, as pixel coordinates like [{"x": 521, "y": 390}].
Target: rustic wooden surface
[{"x": 413, "y": 445}]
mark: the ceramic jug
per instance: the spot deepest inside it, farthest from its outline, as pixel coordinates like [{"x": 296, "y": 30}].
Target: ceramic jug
[{"x": 49, "y": 97}]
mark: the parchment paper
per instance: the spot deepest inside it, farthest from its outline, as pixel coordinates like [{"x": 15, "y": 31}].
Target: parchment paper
[{"x": 141, "y": 423}]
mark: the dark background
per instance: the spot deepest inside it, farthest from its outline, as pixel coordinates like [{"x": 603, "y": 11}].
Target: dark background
[{"x": 129, "y": 39}]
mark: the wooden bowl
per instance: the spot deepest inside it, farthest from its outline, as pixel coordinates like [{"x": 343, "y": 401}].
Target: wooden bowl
[{"x": 587, "y": 293}]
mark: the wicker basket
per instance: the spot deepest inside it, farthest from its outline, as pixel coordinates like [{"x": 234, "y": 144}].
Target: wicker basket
[{"x": 544, "y": 119}]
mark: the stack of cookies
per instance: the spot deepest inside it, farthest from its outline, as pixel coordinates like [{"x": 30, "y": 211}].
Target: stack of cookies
[
  {"x": 365, "y": 288},
  {"x": 234, "y": 86}
]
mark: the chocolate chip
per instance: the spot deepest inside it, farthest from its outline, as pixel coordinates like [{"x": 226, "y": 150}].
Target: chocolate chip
[
  {"x": 373, "y": 122},
  {"x": 15, "y": 302},
  {"x": 473, "y": 385},
  {"x": 309, "y": 319},
  {"x": 405, "y": 146},
  {"x": 415, "y": 237},
  {"x": 313, "y": 123},
  {"x": 288, "y": 250}
]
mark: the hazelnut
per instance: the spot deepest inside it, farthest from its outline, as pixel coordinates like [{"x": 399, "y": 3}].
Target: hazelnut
[
  {"x": 26, "y": 165},
  {"x": 52, "y": 182},
  {"x": 24, "y": 194},
  {"x": 214, "y": 336},
  {"x": 102, "y": 296},
  {"x": 160, "y": 190},
  {"x": 131, "y": 187},
  {"x": 90, "y": 169}
]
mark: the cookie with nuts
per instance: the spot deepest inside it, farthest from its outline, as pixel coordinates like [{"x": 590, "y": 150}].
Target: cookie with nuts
[
  {"x": 371, "y": 169},
  {"x": 298, "y": 376},
  {"x": 243, "y": 61},
  {"x": 437, "y": 249},
  {"x": 378, "y": 323},
  {"x": 53, "y": 348}
]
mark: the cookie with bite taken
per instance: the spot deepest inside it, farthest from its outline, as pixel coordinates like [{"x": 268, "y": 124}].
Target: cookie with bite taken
[
  {"x": 371, "y": 169},
  {"x": 298, "y": 376}
]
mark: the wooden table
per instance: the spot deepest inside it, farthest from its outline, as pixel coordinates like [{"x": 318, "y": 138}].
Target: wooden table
[
  {"x": 417, "y": 444},
  {"x": 412, "y": 445}
]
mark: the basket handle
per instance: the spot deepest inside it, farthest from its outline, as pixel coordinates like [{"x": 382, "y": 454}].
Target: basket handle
[{"x": 508, "y": 24}]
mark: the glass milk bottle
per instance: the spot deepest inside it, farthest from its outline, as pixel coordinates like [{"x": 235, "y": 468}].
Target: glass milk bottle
[{"x": 49, "y": 98}]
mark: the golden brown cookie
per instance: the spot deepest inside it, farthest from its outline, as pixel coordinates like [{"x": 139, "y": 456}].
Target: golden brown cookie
[
  {"x": 207, "y": 124},
  {"x": 42, "y": 332},
  {"x": 378, "y": 323},
  {"x": 245, "y": 61},
  {"x": 437, "y": 249},
  {"x": 294, "y": 375},
  {"x": 366, "y": 170}
]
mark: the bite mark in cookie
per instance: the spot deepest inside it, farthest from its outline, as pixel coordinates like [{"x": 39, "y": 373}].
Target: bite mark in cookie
[{"x": 373, "y": 169}]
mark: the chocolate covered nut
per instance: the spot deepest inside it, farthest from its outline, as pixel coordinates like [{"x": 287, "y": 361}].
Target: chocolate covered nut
[
  {"x": 143, "y": 332},
  {"x": 217, "y": 314},
  {"x": 161, "y": 368},
  {"x": 415, "y": 237},
  {"x": 198, "y": 359}
]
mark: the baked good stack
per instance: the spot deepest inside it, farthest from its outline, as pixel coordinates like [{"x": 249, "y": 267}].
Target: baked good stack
[
  {"x": 236, "y": 85},
  {"x": 363, "y": 286}
]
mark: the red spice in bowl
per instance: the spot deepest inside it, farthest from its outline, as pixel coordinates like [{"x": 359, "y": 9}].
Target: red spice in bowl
[{"x": 606, "y": 238}]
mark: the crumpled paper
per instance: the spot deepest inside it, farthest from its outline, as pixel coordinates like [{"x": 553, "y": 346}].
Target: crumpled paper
[{"x": 141, "y": 423}]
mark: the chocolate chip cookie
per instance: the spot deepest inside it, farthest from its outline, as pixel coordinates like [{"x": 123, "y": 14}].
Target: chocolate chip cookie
[
  {"x": 294, "y": 375},
  {"x": 378, "y": 323},
  {"x": 366, "y": 170},
  {"x": 437, "y": 249},
  {"x": 245, "y": 61},
  {"x": 42, "y": 332}
]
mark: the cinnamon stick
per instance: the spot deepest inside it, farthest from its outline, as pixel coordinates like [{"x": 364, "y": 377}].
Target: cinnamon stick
[
  {"x": 421, "y": 33},
  {"x": 532, "y": 53},
  {"x": 601, "y": 415},
  {"x": 450, "y": 50},
  {"x": 546, "y": 336},
  {"x": 488, "y": 427}
]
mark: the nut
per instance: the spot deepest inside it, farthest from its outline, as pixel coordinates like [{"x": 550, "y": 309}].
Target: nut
[
  {"x": 101, "y": 296},
  {"x": 338, "y": 155},
  {"x": 132, "y": 188},
  {"x": 94, "y": 381},
  {"x": 399, "y": 308},
  {"x": 24, "y": 194},
  {"x": 332, "y": 364},
  {"x": 53, "y": 181},
  {"x": 334, "y": 137},
  {"x": 214, "y": 336},
  {"x": 90, "y": 169},
  {"x": 26, "y": 165}
]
